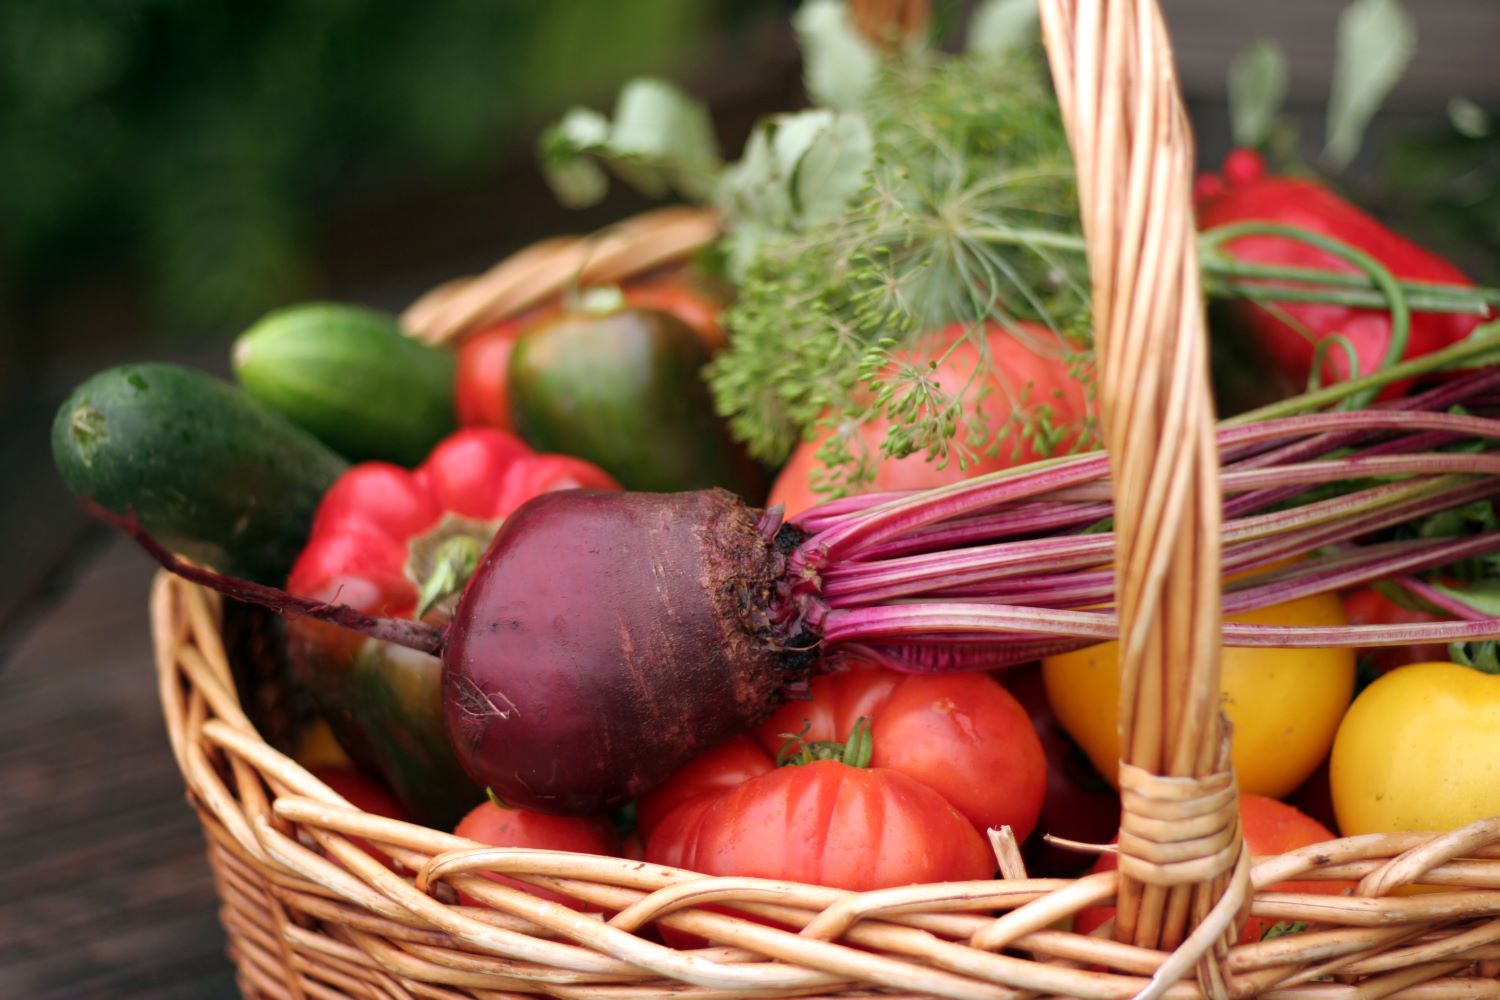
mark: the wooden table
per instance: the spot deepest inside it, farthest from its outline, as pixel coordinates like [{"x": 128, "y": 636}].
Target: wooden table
[{"x": 104, "y": 891}]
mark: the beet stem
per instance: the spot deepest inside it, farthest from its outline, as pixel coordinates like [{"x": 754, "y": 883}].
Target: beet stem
[
  {"x": 1249, "y": 542},
  {"x": 924, "y": 622},
  {"x": 411, "y": 634},
  {"x": 1075, "y": 478}
]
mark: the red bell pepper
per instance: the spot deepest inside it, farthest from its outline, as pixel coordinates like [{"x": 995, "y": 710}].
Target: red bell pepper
[
  {"x": 403, "y": 543},
  {"x": 1245, "y": 193}
]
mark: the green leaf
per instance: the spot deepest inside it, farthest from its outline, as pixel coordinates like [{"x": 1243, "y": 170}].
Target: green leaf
[
  {"x": 659, "y": 126},
  {"x": 797, "y": 169},
  {"x": 1283, "y": 928},
  {"x": 832, "y": 161},
  {"x": 753, "y": 196},
  {"x": 1257, "y": 89},
  {"x": 1481, "y": 655},
  {"x": 660, "y": 141},
  {"x": 1376, "y": 39},
  {"x": 1483, "y": 596},
  {"x": 1001, "y": 26},
  {"x": 577, "y": 180},
  {"x": 1469, "y": 119},
  {"x": 838, "y": 64}
]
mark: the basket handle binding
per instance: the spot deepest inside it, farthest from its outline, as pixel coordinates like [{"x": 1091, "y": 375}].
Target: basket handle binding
[{"x": 1181, "y": 849}]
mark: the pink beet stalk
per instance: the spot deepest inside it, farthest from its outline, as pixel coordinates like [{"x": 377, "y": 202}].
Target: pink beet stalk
[{"x": 943, "y": 578}]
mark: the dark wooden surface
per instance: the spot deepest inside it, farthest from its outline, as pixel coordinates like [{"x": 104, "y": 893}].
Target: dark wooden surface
[{"x": 104, "y": 891}]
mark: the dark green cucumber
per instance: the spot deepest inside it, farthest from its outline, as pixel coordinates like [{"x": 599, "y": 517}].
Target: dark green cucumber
[
  {"x": 207, "y": 470},
  {"x": 623, "y": 389},
  {"x": 351, "y": 377}
]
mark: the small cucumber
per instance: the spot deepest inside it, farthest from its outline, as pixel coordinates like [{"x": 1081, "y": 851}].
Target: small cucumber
[
  {"x": 623, "y": 390},
  {"x": 351, "y": 377},
  {"x": 208, "y": 470}
]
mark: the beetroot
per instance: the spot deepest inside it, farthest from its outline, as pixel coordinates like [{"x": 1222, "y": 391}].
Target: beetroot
[{"x": 605, "y": 640}]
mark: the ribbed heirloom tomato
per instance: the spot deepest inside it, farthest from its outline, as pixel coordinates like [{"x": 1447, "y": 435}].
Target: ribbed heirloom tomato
[
  {"x": 950, "y": 756},
  {"x": 1284, "y": 704},
  {"x": 963, "y": 735},
  {"x": 825, "y": 823}
]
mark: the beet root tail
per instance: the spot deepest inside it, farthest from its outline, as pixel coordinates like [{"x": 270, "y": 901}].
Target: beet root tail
[{"x": 403, "y": 632}]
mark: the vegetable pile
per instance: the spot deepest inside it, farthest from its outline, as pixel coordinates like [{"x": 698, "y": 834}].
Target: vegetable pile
[{"x": 814, "y": 686}]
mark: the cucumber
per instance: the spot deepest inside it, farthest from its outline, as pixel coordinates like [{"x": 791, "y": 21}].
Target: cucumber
[
  {"x": 623, "y": 390},
  {"x": 351, "y": 377},
  {"x": 207, "y": 470}
]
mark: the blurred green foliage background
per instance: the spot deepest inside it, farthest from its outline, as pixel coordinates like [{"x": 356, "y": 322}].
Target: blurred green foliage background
[
  {"x": 200, "y": 140},
  {"x": 190, "y": 156}
]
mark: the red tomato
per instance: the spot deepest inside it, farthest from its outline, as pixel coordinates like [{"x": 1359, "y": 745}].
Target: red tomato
[
  {"x": 500, "y": 826},
  {"x": 1270, "y": 827},
  {"x": 362, "y": 791},
  {"x": 962, "y": 739},
  {"x": 1080, "y": 805},
  {"x": 1027, "y": 372},
  {"x": 689, "y": 303},
  {"x": 365, "y": 794},
  {"x": 962, "y": 735},
  {"x": 824, "y": 823},
  {"x": 720, "y": 769},
  {"x": 480, "y": 394},
  {"x": 1368, "y": 606}
]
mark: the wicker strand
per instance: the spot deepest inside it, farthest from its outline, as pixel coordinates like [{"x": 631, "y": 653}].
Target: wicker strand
[{"x": 1112, "y": 67}]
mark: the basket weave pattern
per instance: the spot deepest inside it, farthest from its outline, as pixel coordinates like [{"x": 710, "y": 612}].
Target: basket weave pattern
[{"x": 310, "y": 912}]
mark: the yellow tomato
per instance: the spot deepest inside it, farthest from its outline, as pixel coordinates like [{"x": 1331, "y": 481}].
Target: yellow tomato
[
  {"x": 1419, "y": 750},
  {"x": 1284, "y": 704},
  {"x": 319, "y": 748}
]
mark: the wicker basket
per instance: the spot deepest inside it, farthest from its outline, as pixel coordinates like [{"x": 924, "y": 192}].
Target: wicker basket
[{"x": 309, "y": 914}]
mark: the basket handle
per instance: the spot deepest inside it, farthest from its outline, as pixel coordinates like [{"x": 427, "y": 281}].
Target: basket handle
[{"x": 1180, "y": 843}]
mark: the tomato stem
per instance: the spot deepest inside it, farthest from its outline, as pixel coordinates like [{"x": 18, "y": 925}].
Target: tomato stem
[
  {"x": 454, "y": 561},
  {"x": 856, "y": 751}
]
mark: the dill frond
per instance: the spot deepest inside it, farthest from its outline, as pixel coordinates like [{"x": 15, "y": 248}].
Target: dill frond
[{"x": 970, "y": 175}]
